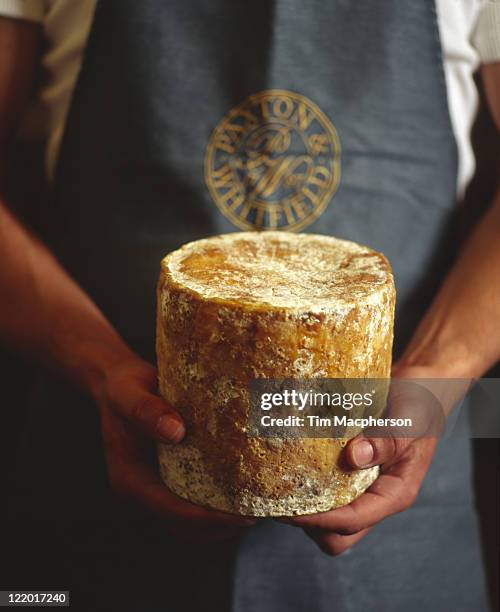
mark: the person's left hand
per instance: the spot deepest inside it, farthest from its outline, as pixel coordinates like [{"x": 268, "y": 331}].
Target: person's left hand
[{"x": 404, "y": 463}]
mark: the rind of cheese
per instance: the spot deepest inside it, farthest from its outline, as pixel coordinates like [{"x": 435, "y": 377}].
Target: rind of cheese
[{"x": 265, "y": 305}]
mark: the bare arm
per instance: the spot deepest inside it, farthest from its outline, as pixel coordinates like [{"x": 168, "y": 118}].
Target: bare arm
[
  {"x": 459, "y": 337},
  {"x": 44, "y": 314},
  {"x": 460, "y": 334}
]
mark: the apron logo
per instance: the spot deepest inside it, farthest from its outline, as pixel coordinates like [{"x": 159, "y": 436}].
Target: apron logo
[{"x": 273, "y": 162}]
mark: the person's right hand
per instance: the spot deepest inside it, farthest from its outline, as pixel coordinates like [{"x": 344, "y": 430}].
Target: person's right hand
[{"x": 132, "y": 418}]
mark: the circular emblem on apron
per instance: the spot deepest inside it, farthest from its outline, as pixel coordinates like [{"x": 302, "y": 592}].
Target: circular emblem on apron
[{"x": 273, "y": 162}]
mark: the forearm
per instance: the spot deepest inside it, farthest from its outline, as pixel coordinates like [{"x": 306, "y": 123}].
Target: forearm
[
  {"x": 45, "y": 315},
  {"x": 460, "y": 334}
]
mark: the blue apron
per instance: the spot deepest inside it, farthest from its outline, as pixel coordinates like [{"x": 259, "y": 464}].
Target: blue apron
[{"x": 196, "y": 118}]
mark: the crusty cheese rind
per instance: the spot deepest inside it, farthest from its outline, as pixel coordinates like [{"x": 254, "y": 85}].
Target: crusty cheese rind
[{"x": 265, "y": 305}]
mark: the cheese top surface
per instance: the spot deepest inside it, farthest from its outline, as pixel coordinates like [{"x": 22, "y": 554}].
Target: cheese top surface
[{"x": 280, "y": 270}]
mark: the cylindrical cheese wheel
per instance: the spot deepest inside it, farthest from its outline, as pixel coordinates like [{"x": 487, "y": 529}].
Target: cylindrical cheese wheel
[{"x": 249, "y": 305}]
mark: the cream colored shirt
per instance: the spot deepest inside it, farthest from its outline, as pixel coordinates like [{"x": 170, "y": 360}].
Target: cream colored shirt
[{"x": 469, "y": 29}]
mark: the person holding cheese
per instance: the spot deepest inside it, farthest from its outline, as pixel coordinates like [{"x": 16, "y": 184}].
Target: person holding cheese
[{"x": 158, "y": 114}]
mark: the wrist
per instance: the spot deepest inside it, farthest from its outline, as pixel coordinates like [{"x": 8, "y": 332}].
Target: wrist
[
  {"x": 91, "y": 365},
  {"x": 445, "y": 359}
]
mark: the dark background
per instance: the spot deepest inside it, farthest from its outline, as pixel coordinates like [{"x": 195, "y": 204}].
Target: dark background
[{"x": 15, "y": 374}]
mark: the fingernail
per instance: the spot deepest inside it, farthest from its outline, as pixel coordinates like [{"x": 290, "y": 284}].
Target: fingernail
[
  {"x": 363, "y": 453},
  {"x": 170, "y": 429}
]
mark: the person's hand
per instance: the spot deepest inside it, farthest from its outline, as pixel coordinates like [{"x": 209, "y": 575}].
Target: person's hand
[
  {"x": 132, "y": 418},
  {"x": 404, "y": 462}
]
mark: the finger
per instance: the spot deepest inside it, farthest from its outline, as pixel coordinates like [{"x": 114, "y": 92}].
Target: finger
[
  {"x": 145, "y": 489},
  {"x": 368, "y": 509},
  {"x": 149, "y": 413},
  {"x": 364, "y": 452},
  {"x": 135, "y": 479},
  {"x": 334, "y": 544},
  {"x": 407, "y": 401},
  {"x": 394, "y": 490}
]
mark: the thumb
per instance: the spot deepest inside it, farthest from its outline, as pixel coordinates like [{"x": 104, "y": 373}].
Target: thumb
[
  {"x": 150, "y": 413},
  {"x": 412, "y": 400},
  {"x": 365, "y": 452}
]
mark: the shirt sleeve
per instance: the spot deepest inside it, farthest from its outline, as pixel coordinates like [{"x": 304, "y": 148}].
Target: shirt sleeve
[
  {"x": 30, "y": 10},
  {"x": 486, "y": 33}
]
